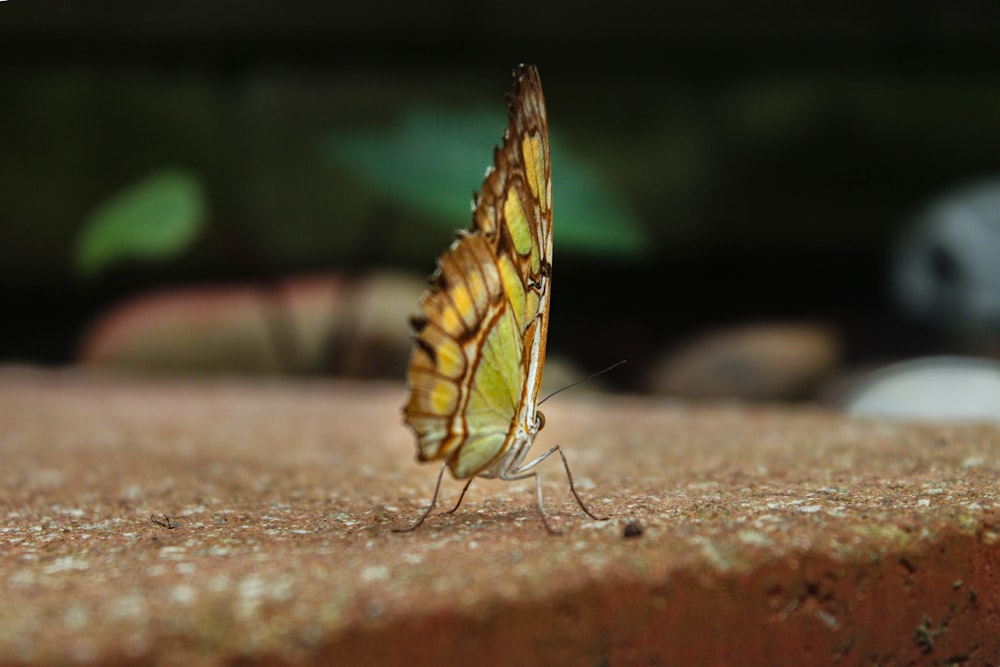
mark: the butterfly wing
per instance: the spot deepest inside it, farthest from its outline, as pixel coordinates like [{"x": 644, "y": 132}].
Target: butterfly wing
[{"x": 479, "y": 349}]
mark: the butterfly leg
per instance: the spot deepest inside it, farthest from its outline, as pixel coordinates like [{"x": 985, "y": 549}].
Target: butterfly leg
[
  {"x": 461, "y": 497},
  {"x": 430, "y": 508},
  {"x": 572, "y": 487},
  {"x": 538, "y": 499},
  {"x": 522, "y": 472}
]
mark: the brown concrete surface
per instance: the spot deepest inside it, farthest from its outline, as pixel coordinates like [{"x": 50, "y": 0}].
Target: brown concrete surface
[{"x": 248, "y": 522}]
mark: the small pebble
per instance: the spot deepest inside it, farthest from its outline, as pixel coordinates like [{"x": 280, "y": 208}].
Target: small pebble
[{"x": 632, "y": 529}]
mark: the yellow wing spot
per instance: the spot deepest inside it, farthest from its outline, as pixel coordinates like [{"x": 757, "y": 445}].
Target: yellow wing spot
[
  {"x": 450, "y": 358},
  {"x": 463, "y": 303},
  {"x": 531, "y": 302},
  {"x": 517, "y": 222},
  {"x": 451, "y": 322},
  {"x": 531, "y": 149},
  {"x": 478, "y": 291},
  {"x": 513, "y": 288},
  {"x": 444, "y": 397}
]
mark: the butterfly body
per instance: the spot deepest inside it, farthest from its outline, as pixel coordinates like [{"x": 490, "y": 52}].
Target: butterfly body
[{"x": 479, "y": 350}]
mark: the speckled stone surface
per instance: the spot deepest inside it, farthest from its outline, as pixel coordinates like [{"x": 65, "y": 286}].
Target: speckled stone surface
[{"x": 170, "y": 521}]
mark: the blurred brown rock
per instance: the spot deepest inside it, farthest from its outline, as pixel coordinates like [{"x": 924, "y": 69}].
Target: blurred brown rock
[
  {"x": 303, "y": 324},
  {"x": 372, "y": 338},
  {"x": 763, "y": 361}
]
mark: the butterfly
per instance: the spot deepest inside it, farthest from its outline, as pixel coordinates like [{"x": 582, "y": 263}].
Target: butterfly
[{"x": 475, "y": 372}]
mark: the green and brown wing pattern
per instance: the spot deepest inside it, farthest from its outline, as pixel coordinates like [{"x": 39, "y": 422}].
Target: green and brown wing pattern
[{"x": 479, "y": 349}]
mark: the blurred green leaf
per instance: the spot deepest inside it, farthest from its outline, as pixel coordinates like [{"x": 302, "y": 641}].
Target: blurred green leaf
[
  {"x": 432, "y": 161},
  {"x": 591, "y": 217},
  {"x": 154, "y": 220}
]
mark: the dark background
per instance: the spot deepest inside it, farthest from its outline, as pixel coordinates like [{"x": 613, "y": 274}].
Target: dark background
[{"x": 770, "y": 151}]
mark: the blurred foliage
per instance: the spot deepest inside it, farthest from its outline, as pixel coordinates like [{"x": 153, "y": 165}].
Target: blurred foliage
[
  {"x": 153, "y": 220},
  {"x": 432, "y": 161}
]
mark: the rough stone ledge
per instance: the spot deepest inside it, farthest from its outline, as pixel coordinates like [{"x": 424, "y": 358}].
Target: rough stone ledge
[{"x": 248, "y": 522}]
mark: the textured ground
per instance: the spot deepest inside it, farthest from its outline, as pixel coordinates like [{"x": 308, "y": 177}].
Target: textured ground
[{"x": 248, "y": 522}]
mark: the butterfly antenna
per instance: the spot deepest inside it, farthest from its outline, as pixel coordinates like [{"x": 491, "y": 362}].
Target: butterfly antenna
[{"x": 586, "y": 379}]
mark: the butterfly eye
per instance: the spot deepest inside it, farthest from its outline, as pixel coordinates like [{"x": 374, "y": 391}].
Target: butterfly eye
[{"x": 539, "y": 421}]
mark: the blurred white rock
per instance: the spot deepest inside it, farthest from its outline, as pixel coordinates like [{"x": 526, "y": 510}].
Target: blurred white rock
[{"x": 946, "y": 263}]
